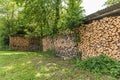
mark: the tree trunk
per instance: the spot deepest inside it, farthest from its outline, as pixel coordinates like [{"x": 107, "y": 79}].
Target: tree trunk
[{"x": 57, "y": 15}]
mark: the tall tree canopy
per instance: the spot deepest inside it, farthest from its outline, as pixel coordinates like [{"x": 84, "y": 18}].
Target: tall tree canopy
[
  {"x": 46, "y": 17},
  {"x": 8, "y": 14},
  {"x": 40, "y": 17}
]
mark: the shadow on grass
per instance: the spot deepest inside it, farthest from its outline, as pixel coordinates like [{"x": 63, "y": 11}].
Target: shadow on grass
[
  {"x": 5, "y": 53},
  {"x": 15, "y": 65}
]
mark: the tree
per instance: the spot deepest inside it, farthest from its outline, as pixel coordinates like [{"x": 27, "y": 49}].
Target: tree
[
  {"x": 74, "y": 15},
  {"x": 46, "y": 17},
  {"x": 8, "y": 11},
  {"x": 8, "y": 15},
  {"x": 39, "y": 15},
  {"x": 111, "y": 2},
  {"x": 57, "y": 15}
]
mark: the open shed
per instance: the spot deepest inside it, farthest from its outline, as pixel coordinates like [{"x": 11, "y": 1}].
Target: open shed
[
  {"x": 101, "y": 33},
  {"x": 19, "y": 42}
]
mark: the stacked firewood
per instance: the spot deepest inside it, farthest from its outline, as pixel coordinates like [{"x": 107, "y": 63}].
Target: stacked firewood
[
  {"x": 34, "y": 43},
  {"x": 101, "y": 37},
  {"x": 23, "y": 44},
  {"x": 63, "y": 45},
  {"x": 48, "y": 43}
]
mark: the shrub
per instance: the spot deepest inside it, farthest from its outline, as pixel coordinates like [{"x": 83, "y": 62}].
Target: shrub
[
  {"x": 50, "y": 52},
  {"x": 101, "y": 64}
]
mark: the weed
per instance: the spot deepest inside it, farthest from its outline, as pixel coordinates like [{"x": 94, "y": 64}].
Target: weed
[{"x": 101, "y": 64}]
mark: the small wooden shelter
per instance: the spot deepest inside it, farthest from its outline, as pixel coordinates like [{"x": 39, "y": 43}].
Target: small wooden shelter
[{"x": 19, "y": 42}]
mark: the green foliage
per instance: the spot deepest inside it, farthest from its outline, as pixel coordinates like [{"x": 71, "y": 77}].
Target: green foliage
[
  {"x": 77, "y": 37},
  {"x": 8, "y": 20},
  {"x": 50, "y": 52},
  {"x": 111, "y": 2},
  {"x": 52, "y": 16},
  {"x": 74, "y": 15},
  {"x": 78, "y": 56},
  {"x": 4, "y": 37},
  {"x": 39, "y": 17},
  {"x": 101, "y": 64},
  {"x": 15, "y": 65}
]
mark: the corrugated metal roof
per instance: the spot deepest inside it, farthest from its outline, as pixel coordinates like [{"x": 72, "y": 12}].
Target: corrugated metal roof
[{"x": 113, "y": 10}]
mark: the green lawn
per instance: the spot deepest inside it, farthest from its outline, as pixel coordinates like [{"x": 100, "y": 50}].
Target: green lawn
[{"x": 41, "y": 66}]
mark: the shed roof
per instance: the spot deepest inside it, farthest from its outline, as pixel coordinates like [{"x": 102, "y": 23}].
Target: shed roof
[{"x": 113, "y": 10}]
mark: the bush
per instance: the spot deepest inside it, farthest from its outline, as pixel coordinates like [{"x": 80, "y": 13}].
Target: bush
[
  {"x": 101, "y": 64},
  {"x": 4, "y": 33},
  {"x": 50, "y": 52}
]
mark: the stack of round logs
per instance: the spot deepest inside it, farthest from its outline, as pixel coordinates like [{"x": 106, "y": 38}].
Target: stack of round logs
[
  {"x": 48, "y": 43},
  {"x": 21, "y": 43},
  {"x": 63, "y": 45},
  {"x": 101, "y": 36}
]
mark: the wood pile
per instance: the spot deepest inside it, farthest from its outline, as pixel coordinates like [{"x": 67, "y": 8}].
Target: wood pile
[
  {"x": 34, "y": 44},
  {"x": 24, "y": 44},
  {"x": 48, "y": 44},
  {"x": 63, "y": 45},
  {"x": 101, "y": 37}
]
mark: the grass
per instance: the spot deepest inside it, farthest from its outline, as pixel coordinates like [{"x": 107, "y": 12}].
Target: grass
[{"x": 15, "y": 65}]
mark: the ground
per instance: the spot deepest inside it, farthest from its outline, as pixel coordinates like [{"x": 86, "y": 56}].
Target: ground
[{"x": 15, "y": 65}]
